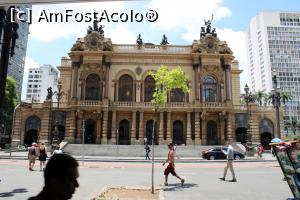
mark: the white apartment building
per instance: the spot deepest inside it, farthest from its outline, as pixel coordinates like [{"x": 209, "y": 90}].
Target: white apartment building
[
  {"x": 273, "y": 42},
  {"x": 39, "y": 80}
]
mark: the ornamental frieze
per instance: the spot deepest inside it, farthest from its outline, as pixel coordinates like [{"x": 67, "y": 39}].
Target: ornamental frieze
[{"x": 210, "y": 44}]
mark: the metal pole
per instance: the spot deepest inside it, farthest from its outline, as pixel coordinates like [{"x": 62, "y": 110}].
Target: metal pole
[
  {"x": 152, "y": 175},
  {"x": 83, "y": 130},
  {"x": 277, "y": 115}
]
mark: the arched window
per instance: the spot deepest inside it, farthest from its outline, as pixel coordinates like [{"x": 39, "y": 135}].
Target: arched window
[
  {"x": 209, "y": 89},
  {"x": 32, "y": 129},
  {"x": 92, "y": 87},
  {"x": 177, "y": 95},
  {"x": 125, "y": 90},
  {"x": 149, "y": 86}
]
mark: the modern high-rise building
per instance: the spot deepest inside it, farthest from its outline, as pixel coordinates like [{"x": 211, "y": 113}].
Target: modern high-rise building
[
  {"x": 39, "y": 80},
  {"x": 273, "y": 42},
  {"x": 17, "y": 62}
]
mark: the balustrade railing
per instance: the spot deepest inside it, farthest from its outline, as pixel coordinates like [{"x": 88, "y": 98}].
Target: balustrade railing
[{"x": 152, "y": 48}]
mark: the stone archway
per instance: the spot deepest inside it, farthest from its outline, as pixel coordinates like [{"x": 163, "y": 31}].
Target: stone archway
[
  {"x": 212, "y": 133},
  {"x": 241, "y": 135},
  {"x": 89, "y": 131},
  {"x": 32, "y": 128},
  {"x": 123, "y": 133},
  {"x": 178, "y": 137},
  {"x": 149, "y": 130},
  {"x": 266, "y": 130}
]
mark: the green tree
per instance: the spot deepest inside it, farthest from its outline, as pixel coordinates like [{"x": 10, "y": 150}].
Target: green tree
[
  {"x": 285, "y": 97},
  {"x": 260, "y": 97},
  {"x": 9, "y": 103},
  {"x": 294, "y": 125},
  {"x": 165, "y": 81}
]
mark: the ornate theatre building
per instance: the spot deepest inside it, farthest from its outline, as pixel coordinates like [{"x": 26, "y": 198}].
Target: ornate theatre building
[{"x": 106, "y": 97}]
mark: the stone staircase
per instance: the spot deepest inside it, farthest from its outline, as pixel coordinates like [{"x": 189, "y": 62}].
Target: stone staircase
[{"x": 131, "y": 150}]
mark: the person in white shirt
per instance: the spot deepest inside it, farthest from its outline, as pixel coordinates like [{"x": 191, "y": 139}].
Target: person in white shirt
[{"x": 229, "y": 164}]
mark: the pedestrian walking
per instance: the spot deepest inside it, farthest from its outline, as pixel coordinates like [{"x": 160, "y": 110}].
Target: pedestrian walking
[
  {"x": 171, "y": 165},
  {"x": 229, "y": 163},
  {"x": 147, "y": 149},
  {"x": 145, "y": 140},
  {"x": 261, "y": 149},
  {"x": 60, "y": 175},
  {"x": 32, "y": 155},
  {"x": 42, "y": 156}
]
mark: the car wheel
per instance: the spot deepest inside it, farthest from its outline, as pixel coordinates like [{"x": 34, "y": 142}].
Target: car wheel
[
  {"x": 211, "y": 157},
  {"x": 237, "y": 157}
]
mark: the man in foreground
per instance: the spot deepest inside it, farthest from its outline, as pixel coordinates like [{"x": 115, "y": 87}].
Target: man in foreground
[
  {"x": 171, "y": 166},
  {"x": 229, "y": 164},
  {"x": 60, "y": 175}
]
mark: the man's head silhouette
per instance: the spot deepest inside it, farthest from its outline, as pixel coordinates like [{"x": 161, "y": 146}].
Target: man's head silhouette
[{"x": 60, "y": 175}]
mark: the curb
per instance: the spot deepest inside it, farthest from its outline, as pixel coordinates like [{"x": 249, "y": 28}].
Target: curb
[{"x": 140, "y": 160}]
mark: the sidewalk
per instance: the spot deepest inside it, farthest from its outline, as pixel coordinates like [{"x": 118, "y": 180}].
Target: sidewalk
[{"x": 267, "y": 157}]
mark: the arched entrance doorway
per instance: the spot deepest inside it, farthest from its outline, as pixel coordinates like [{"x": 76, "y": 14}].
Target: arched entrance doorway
[
  {"x": 123, "y": 136},
  {"x": 89, "y": 131},
  {"x": 212, "y": 134},
  {"x": 266, "y": 128},
  {"x": 32, "y": 128},
  {"x": 178, "y": 133},
  {"x": 149, "y": 129},
  {"x": 241, "y": 135}
]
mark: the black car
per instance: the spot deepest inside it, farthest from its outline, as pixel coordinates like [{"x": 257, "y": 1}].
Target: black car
[{"x": 217, "y": 154}]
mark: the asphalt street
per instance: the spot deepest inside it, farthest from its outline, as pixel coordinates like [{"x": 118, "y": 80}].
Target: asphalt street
[{"x": 256, "y": 180}]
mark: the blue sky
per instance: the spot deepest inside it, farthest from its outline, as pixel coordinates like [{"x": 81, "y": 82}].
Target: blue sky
[{"x": 179, "y": 20}]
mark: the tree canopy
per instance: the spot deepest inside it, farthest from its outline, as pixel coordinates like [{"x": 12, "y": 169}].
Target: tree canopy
[{"x": 165, "y": 81}]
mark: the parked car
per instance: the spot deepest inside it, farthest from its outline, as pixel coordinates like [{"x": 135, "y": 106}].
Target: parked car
[{"x": 217, "y": 154}]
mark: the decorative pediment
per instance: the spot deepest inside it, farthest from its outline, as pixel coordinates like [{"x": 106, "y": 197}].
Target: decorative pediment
[
  {"x": 93, "y": 41},
  {"x": 210, "y": 44}
]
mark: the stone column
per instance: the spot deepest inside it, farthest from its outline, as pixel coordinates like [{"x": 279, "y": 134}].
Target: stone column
[
  {"x": 78, "y": 138},
  {"x": 113, "y": 139},
  {"x": 228, "y": 81},
  {"x": 169, "y": 137},
  {"x": 70, "y": 126},
  {"x": 107, "y": 67},
  {"x": 188, "y": 129},
  {"x": 104, "y": 128},
  {"x": 161, "y": 128},
  {"x": 196, "y": 74},
  {"x": 141, "y": 126},
  {"x": 16, "y": 136},
  {"x": 222, "y": 126},
  {"x": 230, "y": 122},
  {"x": 75, "y": 67},
  {"x": 133, "y": 128},
  {"x": 197, "y": 128},
  {"x": 203, "y": 131},
  {"x": 99, "y": 129}
]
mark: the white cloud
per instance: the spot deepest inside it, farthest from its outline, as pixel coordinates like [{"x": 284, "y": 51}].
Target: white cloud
[
  {"x": 237, "y": 43},
  {"x": 29, "y": 63},
  {"x": 48, "y": 31},
  {"x": 188, "y": 14},
  {"x": 121, "y": 35}
]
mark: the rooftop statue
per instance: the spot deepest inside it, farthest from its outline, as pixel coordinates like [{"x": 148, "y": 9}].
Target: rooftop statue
[
  {"x": 164, "y": 40},
  {"x": 139, "y": 40},
  {"x": 96, "y": 28},
  {"x": 207, "y": 29}
]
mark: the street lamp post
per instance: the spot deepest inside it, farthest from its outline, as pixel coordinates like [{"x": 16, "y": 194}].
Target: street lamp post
[
  {"x": 276, "y": 101},
  {"x": 247, "y": 99},
  {"x": 59, "y": 94}
]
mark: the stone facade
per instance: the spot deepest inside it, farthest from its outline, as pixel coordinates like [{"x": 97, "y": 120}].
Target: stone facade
[{"x": 108, "y": 91}]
